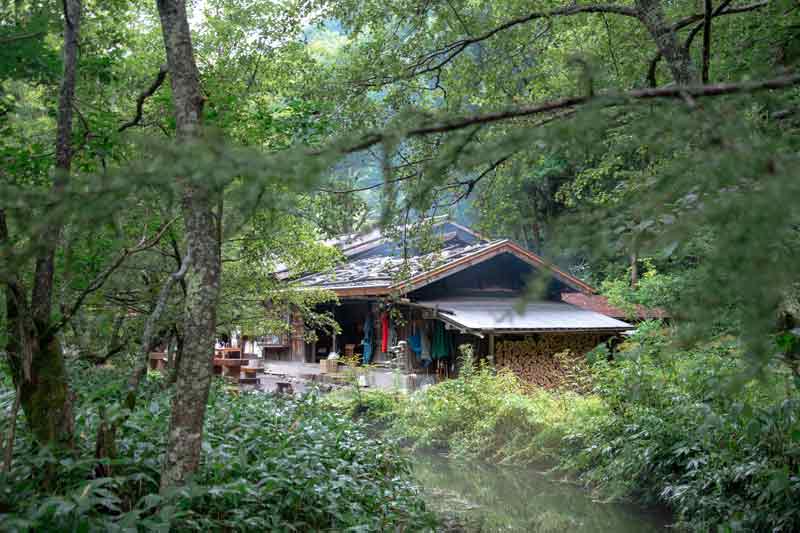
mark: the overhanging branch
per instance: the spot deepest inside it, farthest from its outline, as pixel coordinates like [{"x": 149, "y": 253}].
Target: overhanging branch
[
  {"x": 606, "y": 100},
  {"x": 20, "y": 37},
  {"x": 436, "y": 59},
  {"x": 144, "y": 95},
  {"x": 720, "y": 10},
  {"x": 691, "y": 19},
  {"x": 101, "y": 278}
]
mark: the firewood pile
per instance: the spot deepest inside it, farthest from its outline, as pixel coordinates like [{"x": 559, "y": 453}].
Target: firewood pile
[{"x": 548, "y": 360}]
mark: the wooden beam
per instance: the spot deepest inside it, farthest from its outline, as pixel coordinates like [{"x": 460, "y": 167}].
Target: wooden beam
[{"x": 490, "y": 252}]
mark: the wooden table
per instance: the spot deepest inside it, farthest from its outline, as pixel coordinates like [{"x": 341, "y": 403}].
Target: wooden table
[
  {"x": 158, "y": 360},
  {"x": 229, "y": 367}
]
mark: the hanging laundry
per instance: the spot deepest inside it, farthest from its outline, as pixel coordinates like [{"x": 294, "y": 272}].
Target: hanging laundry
[
  {"x": 367, "y": 342},
  {"x": 415, "y": 344},
  {"x": 385, "y": 332},
  {"x": 425, "y": 338},
  {"x": 392, "y": 333},
  {"x": 441, "y": 342}
]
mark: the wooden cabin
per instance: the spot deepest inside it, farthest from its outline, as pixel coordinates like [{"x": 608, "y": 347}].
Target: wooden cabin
[{"x": 469, "y": 291}]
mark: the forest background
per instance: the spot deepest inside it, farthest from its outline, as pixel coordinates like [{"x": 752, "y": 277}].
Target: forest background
[{"x": 160, "y": 159}]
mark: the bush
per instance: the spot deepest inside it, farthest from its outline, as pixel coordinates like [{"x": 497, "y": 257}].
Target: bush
[
  {"x": 487, "y": 414},
  {"x": 684, "y": 430},
  {"x": 662, "y": 427},
  {"x": 374, "y": 407},
  {"x": 268, "y": 464}
]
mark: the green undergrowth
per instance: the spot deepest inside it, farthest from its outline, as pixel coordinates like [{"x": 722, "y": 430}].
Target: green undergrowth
[
  {"x": 662, "y": 427},
  {"x": 269, "y": 463}
]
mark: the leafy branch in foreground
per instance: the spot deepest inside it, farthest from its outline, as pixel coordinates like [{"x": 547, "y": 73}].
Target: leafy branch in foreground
[{"x": 606, "y": 100}]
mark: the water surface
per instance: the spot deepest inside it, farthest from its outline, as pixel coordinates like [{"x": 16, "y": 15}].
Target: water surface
[{"x": 503, "y": 499}]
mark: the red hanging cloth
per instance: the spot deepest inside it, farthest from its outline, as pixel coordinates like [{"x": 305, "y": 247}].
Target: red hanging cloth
[{"x": 385, "y": 332}]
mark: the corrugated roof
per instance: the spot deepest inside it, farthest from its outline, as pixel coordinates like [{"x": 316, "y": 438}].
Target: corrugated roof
[
  {"x": 503, "y": 314},
  {"x": 600, "y": 304}
]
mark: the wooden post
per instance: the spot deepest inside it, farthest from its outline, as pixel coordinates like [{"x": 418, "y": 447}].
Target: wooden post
[
  {"x": 491, "y": 349},
  {"x": 298, "y": 342},
  {"x": 377, "y": 355}
]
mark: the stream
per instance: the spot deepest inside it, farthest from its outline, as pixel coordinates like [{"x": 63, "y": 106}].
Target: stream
[{"x": 489, "y": 498}]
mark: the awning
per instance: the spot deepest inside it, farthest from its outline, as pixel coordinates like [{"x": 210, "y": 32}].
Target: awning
[{"x": 510, "y": 315}]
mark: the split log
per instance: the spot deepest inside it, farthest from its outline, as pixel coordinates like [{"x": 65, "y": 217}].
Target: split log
[{"x": 548, "y": 360}]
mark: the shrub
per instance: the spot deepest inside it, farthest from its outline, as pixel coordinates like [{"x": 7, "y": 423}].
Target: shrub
[
  {"x": 684, "y": 430},
  {"x": 681, "y": 428},
  {"x": 374, "y": 407},
  {"x": 487, "y": 414},
  {"x": 268, "y": 464}
]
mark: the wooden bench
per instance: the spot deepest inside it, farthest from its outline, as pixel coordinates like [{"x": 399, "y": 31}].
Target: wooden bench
[{"x": 252, "y": 371}]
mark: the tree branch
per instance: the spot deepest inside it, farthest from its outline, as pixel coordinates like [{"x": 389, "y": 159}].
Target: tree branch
[
  {"x": 20, "y": 37},
  {"x": 608, "y": 100},
  {"x": 101, "y": 278},
  {"x": 17, "y": 291},
  {"x": 435, "y": 60},
  {"x": 147, "y": 334},
  {"x": 691, "y": 19},
  {"x": 177, "y": 255},
  {"x": 144, "y": 95},
  {"x": 718, "y": 11},
  {"x": 473, "y": 182},
  {"x": 368, "y": 187},
  {"x": 696, "y": 29}
]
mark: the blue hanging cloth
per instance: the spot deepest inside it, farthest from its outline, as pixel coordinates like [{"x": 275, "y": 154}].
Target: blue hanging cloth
[
  {"x": 415, "y": 344},
  {"x": 367, "y": 342}
]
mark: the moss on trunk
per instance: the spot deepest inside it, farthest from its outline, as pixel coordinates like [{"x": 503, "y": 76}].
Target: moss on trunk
[{"x": 45, "y": 398}]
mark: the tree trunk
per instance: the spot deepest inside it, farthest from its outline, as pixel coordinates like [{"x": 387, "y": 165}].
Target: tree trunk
[
  {"x": 202, "y": 279},
  {"x": 708, "y": 9},
  {"x": 651, "y": 14},
  {"x": 177, "y": 356},
  {"x": 34, "y": 353},
  {"x": 39, "y": 374}
]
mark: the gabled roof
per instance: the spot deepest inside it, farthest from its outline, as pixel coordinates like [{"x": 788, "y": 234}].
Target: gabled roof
[
  {"x": 490, "y": 250},
  {"x": 375, "y": 276},
  {"x": 356, "y": 244}
]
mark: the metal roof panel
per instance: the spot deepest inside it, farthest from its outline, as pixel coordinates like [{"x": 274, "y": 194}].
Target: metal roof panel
[{"x": 501, "y": 314}]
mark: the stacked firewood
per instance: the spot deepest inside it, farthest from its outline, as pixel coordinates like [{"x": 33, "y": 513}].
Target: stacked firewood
[{"x": 549, "y": 360}]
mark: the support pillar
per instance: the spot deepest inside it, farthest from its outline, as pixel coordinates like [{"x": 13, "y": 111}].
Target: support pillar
[{"x": 298, "y": 338}]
